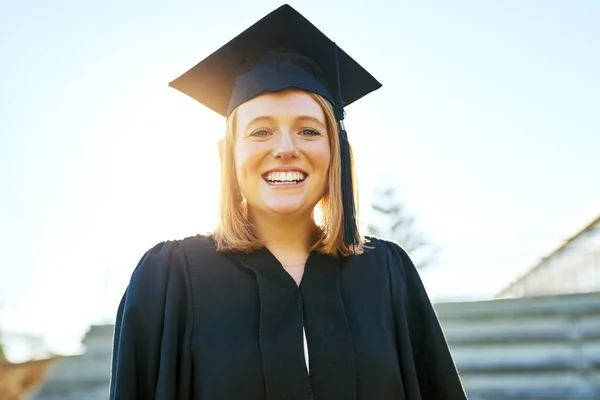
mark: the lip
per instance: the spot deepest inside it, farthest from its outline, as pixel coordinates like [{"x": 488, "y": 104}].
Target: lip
[
  {"x": 284, "y": 185},
  {"x": 285, "y": 168}
]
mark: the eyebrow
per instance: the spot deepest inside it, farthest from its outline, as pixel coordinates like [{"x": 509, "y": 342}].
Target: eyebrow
[
  {"x": 258, "y": 120},
  {"x": 312, "y": 119},
  {"x": 263, "y": 119}
]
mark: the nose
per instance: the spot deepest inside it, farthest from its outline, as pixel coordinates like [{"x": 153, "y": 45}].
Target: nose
[{"x": 286, "y": 148}]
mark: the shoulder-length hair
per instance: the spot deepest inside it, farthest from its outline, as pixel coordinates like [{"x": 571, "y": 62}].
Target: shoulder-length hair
[{"x": 234, "y": 230}]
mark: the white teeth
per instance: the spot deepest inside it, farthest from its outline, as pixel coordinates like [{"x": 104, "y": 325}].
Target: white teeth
[{"x": 280, "y": 177}]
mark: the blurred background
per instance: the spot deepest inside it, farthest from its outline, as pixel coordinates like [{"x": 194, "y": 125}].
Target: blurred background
[{"x": 480, "y": 155}]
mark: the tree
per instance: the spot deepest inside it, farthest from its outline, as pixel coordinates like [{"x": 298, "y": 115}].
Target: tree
[
  {"x": 2, "y": 355},
  {"x": 391, "y": 221}
]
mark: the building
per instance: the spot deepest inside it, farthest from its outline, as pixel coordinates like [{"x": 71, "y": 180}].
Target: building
[
  {"x": 574, "y": 267},
  {"x": 82, "y": 377},
  {"x": 543, "y": 343}
]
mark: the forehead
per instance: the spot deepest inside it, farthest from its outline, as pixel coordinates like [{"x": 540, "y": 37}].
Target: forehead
[{"x": 288, "y": 104}]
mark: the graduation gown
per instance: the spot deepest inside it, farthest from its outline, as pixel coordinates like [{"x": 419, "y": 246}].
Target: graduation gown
[{"x": 195, "y": 323}]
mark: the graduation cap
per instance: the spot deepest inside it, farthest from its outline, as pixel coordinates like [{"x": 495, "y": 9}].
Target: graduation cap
[{"x": 283, "y": 50}]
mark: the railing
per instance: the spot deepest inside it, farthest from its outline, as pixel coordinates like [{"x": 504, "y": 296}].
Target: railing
[
  {"x": 545, "y": 348},
  {"x": 526, "y": 348}
]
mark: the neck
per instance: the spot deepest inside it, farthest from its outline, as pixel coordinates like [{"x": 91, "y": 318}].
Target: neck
[{"x": 288, "y": 238}]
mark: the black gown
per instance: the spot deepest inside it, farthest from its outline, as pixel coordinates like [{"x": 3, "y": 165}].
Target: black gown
[{"x": 195, "y": 323}]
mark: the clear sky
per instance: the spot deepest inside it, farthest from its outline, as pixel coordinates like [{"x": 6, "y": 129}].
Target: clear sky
[{"x": 488, "y": 121}]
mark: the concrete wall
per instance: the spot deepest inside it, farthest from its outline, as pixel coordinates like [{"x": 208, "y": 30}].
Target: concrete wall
[
  {"x": 528, "y": 348},
  {"x": 84, "y": 377}
]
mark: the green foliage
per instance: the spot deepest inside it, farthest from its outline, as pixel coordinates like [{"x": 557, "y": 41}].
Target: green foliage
[
  {"x": 2, "y": 356},
  {"x": 391, "y": 221}
]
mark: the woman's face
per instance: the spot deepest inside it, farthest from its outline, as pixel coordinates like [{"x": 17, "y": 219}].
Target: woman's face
[{"x": 282, "y": 152}]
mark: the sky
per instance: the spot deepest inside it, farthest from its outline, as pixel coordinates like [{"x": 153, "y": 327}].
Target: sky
[{"x": 487, "y": 123}]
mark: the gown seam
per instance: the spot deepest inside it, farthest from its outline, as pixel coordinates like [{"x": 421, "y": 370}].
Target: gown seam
[
  {"x": 341, "y": 299},
  {"x": 191, "y": 308},
  {"x": 423, "y": 378},
  {"x": 260, "y": 342},
  {"x": 191, "y": 304}
]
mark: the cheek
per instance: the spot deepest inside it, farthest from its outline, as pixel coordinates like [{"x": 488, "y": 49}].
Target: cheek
[
  {"x": 247, "y": 160},
  {"x": 322, "y": 158}
]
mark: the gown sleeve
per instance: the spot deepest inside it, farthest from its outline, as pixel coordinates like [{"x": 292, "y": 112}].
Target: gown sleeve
[
  {"x": 423, "y": 350},
  {"x": 151, "y": 350}
]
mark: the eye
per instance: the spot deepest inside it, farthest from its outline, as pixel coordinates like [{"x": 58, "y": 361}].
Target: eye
[
  {"x": 310, "y": 132},
  {"x": 260, "y": 133}
]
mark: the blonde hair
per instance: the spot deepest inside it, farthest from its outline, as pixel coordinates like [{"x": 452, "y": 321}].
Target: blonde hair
[{"x": 234, "y": 230}]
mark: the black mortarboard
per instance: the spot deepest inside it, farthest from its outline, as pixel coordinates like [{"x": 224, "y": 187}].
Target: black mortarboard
[{"x": 283, "y": 50}]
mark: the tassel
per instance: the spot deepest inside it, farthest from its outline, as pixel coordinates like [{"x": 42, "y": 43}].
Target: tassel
[
  {"x": 349, "y": 208},
  {"x": 351, "y": 238}
]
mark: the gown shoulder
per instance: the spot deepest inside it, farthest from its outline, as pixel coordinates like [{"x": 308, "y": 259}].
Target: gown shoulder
[
  {"x": 423, "y": 350},
  {"x": 153, "y": 328}
]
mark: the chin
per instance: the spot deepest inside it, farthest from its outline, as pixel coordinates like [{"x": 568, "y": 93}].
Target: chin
[{"x": 287, "y": 207}]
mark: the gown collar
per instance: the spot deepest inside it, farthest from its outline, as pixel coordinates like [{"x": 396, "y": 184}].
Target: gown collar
[{"x": 316, "y": 305}]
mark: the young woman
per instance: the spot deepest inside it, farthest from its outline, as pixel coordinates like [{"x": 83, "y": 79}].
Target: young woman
[{"x": 279, "y": 302}]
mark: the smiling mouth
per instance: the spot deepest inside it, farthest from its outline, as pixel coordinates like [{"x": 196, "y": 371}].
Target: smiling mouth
[{"x": 288, "y": 178}]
